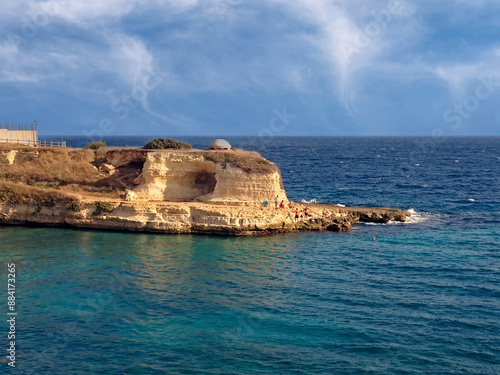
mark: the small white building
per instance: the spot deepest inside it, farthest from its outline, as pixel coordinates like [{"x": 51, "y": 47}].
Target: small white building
[{"x": 20, "y": 134}]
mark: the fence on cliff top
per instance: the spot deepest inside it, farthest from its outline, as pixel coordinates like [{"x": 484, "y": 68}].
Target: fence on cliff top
[
  {"x": 25, "y": 127},
  {"x": 29, "y": 138},
  {"x": 28, "y": 142}
]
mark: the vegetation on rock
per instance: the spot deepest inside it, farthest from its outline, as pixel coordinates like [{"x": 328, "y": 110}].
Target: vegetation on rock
[
  {"x": 166, "y": 143},
  {"x": 75, "y": 206},
  {"x": 23, "y": 194},
  {"x": 96, "y": 145},
  {"x": 250, "y": 162},
  {"x": 54, "y": 165},
  {"x": 102, "y": 207}
]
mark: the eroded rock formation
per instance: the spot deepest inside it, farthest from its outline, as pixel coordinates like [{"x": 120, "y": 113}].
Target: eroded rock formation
[
  {"x": 183, "y": 191},
  {"x": 189, "y": 176},
  {"x": 193, "y": 217}
]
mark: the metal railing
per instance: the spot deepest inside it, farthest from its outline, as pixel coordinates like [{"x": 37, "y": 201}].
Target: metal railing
[
  {"x": 25, "y": 127},
  {"x": 29, "y": 142}
]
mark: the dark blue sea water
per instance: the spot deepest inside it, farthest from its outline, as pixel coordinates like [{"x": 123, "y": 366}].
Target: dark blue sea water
[{"x": 424, "y": 298}]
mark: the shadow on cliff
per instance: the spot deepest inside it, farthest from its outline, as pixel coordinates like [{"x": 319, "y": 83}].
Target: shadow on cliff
[{"x": 123, "y": 178}]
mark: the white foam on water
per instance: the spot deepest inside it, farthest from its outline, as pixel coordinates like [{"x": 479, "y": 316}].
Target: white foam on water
[
  {"x": 471, "y": 200},
  {"x": 340, "y": 205},
  {"x": 314, "y": 200},
  {"x": 415, "y": 218}
]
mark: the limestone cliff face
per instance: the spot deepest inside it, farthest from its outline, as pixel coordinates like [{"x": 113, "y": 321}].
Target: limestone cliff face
[
  {"x": 8, "y": 156},
  {"x": 194, "y": 217},
  {"x": 189, "y": 176},
  {"x": 238, "y": 185},
  {"x": 161, "y": 217},
  {"x": 181, "y": 191}
]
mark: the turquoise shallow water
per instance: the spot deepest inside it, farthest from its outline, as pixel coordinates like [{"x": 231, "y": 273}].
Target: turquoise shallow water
[{"x": 422, "y": 299}]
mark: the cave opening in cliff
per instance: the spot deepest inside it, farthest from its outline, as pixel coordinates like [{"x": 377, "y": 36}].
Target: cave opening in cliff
[{"x": 205, "y": 181}]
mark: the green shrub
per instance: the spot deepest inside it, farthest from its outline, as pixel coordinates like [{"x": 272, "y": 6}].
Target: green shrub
[
  {"x": 47, "y": 201},
  {"x": 102, "y": 207},
  {"x": 17, "y": 199},
  {"x": 96, "y": 145},
  {"x": 74, "y": 206},
  {"x": 165, "y": 143},
  {"x": 5, "y": 192}
]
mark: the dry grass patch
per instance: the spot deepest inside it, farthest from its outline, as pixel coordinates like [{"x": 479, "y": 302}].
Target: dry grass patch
[
  {"x": 248, "y": 161},
  {"x": 51, "y": 165},
  {"x": 17, "y": 193}
]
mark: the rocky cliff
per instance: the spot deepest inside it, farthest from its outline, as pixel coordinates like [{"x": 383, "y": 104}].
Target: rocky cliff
[
  {"x": 180, "y": 176},
  {"x": 202, "y": 218},
  {"x": 188, "y": 191}
]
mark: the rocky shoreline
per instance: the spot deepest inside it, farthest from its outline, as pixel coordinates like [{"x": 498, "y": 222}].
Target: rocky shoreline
[
  {"x": 216, "y": 192},
  {"x": 196, "y": 218}
]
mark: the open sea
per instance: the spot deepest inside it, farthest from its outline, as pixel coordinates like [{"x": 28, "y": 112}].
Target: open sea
[{"x": 424, "y": 298}]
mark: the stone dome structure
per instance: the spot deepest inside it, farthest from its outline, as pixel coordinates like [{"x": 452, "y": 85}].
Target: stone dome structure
[{"x": 220, "y": 144}]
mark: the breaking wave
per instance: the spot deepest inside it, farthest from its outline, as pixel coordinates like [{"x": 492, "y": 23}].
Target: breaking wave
[
  {"x": 314, "y": 200},
  {"x": 415, "y": 218}
]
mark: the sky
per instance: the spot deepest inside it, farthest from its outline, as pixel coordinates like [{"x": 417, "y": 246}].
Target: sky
[{"x": 254, "y": 67}]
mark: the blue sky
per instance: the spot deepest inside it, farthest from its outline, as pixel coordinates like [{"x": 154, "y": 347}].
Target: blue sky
[{"x": 254, "y": 67}]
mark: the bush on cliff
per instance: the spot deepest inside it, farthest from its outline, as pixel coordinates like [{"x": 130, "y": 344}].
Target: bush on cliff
[
  {"x": 96, "y": 145},
  {"x": 166, "y": 143},
  {"x": 75, "y": 206},
  {"x": 101, "y": 207}
]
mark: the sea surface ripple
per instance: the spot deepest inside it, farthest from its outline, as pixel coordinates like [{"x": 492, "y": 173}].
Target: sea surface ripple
[{"x": 424, "y": 298}]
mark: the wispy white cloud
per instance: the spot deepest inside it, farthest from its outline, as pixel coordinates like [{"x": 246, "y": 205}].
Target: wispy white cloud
[
  {"x": 82, "y": 12},
  {"x": 459, "y": 77},
  {"x": 353, "y": 37}
]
